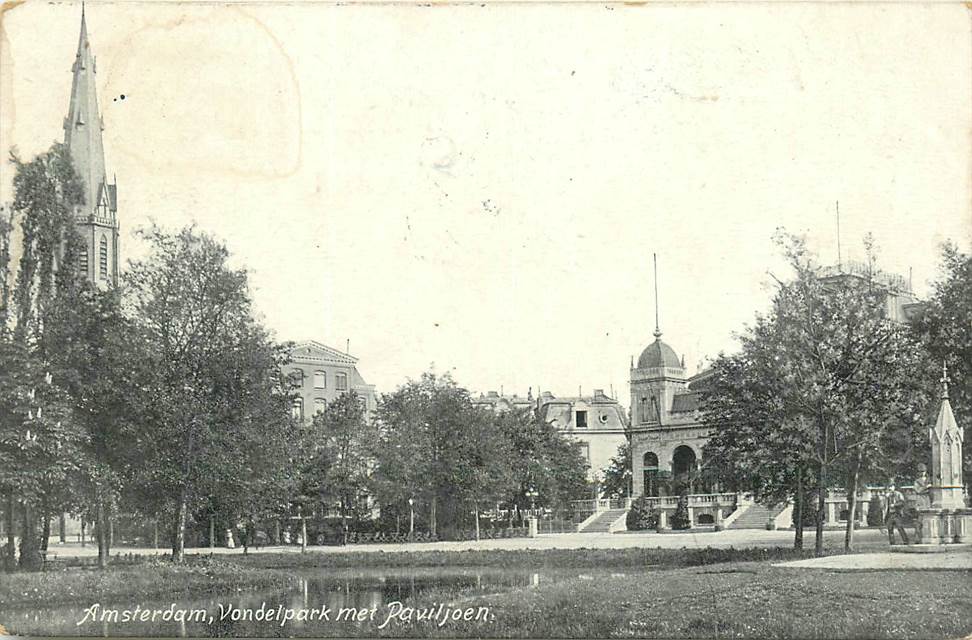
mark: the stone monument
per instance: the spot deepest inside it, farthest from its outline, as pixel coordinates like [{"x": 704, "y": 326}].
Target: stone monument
[{"x": 947, "y": 520}]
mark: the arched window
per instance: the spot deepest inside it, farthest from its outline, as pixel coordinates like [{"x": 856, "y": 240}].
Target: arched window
[
  {"x": 650, "y": 469},
  {"x": 320, "y": 380},
  {"x": 319, "y": 405},
  {"x": 297, "y": 409},
  {"x": 83, "y": 260},
  {"x": 103, "y": 257},
  {"x": 341, "y": 381}
]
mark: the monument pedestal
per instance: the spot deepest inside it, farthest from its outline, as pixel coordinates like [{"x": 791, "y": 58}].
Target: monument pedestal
[
  {"x": 931, "y": 526},
  {"x": 963, "y": 526}
]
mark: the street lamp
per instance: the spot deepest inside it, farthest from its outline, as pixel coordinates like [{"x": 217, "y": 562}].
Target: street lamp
[
  {"x": 532, "y": 494},
  {"x": 411, "y": 518}
]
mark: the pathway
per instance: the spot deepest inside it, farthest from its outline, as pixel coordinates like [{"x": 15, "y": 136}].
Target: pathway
[
  {"x": 887, "y": 561},
  {"x": 739, "y": 538}
]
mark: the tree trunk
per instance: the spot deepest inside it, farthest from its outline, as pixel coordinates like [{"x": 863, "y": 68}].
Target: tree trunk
[
  {"x": 798, "y": 512},
  {"x": 818, "y": 546},
  {"x": 155, "y": 534},
  {"x": 101, "y": 529},
  {"x": 11, "y": 534},
  {"x": 852, "y": 504},
  {"x": 30, "y": 554},
  {"x": 45, "y": 532},
  {"x": 179, "y": 539},
  {"x": 212, "y": 533},
  {"x": 432, "y": 523},
  {"x": 84, "y": 526},
  {"x": 303, "y": 534},
  {"x": 62, "y": 526},
  {"x": 477, "y": 521}
]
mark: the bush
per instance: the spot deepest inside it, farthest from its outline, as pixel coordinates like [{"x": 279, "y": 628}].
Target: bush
[
  {"x": 875, "y": 512},
  {"x": 680, "y": 519},
  {"x": 641, "y": 516}
]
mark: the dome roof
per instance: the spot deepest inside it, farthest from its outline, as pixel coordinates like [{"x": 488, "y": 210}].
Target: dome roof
[{"x": 658, "y": 354}]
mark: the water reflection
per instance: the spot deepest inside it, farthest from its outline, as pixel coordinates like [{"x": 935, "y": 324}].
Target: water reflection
[{"x": 259, "y": 613}]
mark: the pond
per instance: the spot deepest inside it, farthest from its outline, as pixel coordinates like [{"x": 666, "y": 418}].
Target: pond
[{"x": 321, "y": 603}]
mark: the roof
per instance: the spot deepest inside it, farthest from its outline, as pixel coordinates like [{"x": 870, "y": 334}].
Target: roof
[
  {"x": 658, "y": 354},
  {"x": 313, "y": 351},
  {"x": 82, "y": 127}
]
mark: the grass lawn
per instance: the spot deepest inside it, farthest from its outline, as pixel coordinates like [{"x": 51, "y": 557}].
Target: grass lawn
[
  {"x": 744, "y": 599},
  {"x": 153, "y": 579}
]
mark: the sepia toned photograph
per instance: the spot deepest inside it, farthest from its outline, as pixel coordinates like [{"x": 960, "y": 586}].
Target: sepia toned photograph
[{"x": 504, "y": 319}]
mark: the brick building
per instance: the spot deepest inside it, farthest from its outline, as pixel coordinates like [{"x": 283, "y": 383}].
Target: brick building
[{"x": 322, "y": 373}]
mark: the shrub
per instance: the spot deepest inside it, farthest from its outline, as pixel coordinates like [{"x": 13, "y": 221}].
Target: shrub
[
  {"x": 641, "y": 516},
  {"x": 875, "y": 512},
  {"x": 680, "y": 519}
]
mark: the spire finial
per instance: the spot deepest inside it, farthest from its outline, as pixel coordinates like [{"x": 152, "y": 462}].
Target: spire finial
[
  {"x": 945, "y": 380},
  {"x": 657, "y": 329}
]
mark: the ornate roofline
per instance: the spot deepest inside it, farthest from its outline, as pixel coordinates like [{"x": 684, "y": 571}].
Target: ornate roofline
[{"x": 333, "y": 355}]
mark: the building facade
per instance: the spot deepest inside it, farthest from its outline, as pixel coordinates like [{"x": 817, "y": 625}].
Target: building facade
[
  {"x": 321, "y": 374},
  {"x": 597, "y": 422},
  {"x": 667, "y": 434},
  {"x": 97, "y": 218}
]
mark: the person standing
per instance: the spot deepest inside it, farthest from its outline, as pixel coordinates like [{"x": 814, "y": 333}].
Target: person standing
[{"x": 896, "y": 514}]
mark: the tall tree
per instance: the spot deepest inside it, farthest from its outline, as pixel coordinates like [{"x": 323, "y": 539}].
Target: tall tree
[
  {"x": 344, "y": 453},
  {"x": 434, "y": 447},
  {"x": 945, "y": 328},
  {"x": 211, "y": 376},
  {"x": 41, "y": 443},
  {"x": 544, "y": 462},
  {"x": 616, "y": 483},
  {"x": 824, "y": 382}
]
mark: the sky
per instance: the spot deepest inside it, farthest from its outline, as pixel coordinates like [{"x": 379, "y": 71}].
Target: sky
[{"x": 481, "y": 188}]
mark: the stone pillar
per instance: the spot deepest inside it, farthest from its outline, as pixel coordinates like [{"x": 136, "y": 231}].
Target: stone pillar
[
  {"x": 662, "y": 519},
  {"x": 931, "y": 524},
  {"x": 831, "y": 512},
  {"x": 718, "y": 518},
  {"x": 963, "y": 526},
  {"x": 691, "y": 517}
]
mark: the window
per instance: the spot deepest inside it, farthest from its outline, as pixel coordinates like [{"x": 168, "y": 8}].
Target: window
[
  {"x": 297, "y": 409},
  {"x": 83, "y": 260},
  {"x": 319, "y": 405},
  {"x": 581, "y": 421},
  {"x": 297, "y": 378},
  {"x": 585, "y": 451},
  {"x": 341, "y": 381},
  {"x": 320, "y": 380},
  {"x": 103, "y": 258}
]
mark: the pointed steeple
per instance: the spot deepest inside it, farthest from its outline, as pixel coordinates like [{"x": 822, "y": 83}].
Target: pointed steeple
[
  {"x": 946, "y": 444},
  {"x": 82, "y": 128}
]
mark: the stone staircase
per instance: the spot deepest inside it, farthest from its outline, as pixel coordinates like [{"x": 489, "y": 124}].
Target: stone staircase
[
  {"x": 602, "y": 523},
  {"x": 756, "y": 516}
]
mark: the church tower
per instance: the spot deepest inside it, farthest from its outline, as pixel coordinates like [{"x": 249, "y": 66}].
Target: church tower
[{"x": 97, "y": 219}]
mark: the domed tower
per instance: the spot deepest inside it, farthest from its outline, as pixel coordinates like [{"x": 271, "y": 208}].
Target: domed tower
[{"x": 655, "y": 379}]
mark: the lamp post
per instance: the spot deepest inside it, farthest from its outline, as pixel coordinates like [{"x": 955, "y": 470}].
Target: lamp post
[
  {"x": 532, "y": 494},
  {"x": 411, "y": 518}
]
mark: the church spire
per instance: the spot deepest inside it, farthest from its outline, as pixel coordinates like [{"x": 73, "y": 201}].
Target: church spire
[{"x": 82, "y": 128}]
